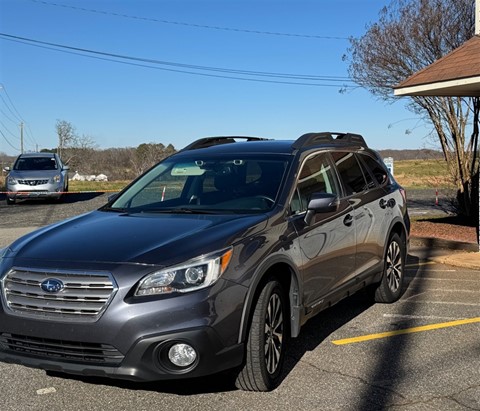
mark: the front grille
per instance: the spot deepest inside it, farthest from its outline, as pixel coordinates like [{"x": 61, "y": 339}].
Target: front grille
[
  {"x": 70, "y": 351},
  {"x": 33, "y": 182},
  {"x": 80, "y": 296}
]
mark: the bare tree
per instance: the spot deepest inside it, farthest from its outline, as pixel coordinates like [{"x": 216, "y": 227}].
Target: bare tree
[
  {"x": 410, "y": 35},
  {"x": 66, "y": 135},
  {"x": 148, "y": 154}
]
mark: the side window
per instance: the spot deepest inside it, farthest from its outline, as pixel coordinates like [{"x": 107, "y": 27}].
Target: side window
[
  {"x": 378, "y": 170},
  {"x": 316, "y": 176},
  {"x": 350, "y": 172},
  {"x": 366, "y": 173}
]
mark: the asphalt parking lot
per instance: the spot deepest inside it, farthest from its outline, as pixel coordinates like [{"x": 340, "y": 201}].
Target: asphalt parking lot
[{"x": 421, "y": 353}]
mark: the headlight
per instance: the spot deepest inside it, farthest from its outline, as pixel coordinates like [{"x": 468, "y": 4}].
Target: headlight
[
  {"x": 11, "y": 180},
  {"x": 193, "y": 275},
  {"x": 57, "y": 178}
]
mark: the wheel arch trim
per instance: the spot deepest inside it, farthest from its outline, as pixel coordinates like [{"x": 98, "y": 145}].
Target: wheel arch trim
[{"x": 295, "y": 292}]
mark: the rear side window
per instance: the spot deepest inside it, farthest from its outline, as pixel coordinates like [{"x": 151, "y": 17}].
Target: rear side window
[
  {"x": 377, "y": 170},
  {"x": 350, "y": 173},
  {"x": 316, "y": 176}
]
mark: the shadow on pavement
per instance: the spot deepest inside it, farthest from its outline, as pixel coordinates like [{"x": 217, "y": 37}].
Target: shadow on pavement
[
  {"x": 388, "y": 373},
  {"x": 67, "y": 198}
]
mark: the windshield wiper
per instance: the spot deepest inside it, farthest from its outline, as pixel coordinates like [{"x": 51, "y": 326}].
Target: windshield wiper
[
  {"x": 179, "y": 210},
  {"x": 114, "y": 209}
]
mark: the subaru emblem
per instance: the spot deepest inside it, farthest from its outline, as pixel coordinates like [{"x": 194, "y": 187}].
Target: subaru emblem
[{"x": 52, "y": 285}]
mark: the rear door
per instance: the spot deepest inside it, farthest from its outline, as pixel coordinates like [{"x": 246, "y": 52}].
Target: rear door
[
  {"x": 382, "y": 205},
  {"x": 366, "y": 198}
]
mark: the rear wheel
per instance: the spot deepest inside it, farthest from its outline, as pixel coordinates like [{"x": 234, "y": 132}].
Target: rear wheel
[
  {"x": 391, "y": 285},
  {"x": 10, "y": 201},
  {"x": 266, "y": 344}
]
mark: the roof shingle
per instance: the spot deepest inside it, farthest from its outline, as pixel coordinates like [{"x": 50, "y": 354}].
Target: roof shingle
[{"x": 459, "y": 68}]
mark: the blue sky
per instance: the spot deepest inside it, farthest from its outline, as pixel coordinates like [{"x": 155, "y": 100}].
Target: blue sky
[{"x": 124, "y": 105}]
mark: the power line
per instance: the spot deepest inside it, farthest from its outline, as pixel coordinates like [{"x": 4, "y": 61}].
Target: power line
[
  {"x": 2, "y": 87},
  {"x": 114, "y": 58},
  {"x": 15, "y": 113},
  {"x": 180, "y": 23},
  {"x": 8, "y": 117},
  {"x": 8, "y": 142},
  {"x": 8, "y": 130},
  {"x": 17, "y": 118}
]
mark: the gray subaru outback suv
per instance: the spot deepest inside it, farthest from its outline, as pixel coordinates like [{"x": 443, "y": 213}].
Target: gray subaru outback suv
[{"x": 210, "y": 261}]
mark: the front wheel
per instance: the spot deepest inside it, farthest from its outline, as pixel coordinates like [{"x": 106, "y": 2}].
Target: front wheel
[
  {"x": 267, "y": 339},
  {"x": 390, "y": 288}
]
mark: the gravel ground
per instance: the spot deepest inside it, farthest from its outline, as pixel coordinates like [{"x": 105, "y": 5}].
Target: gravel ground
[
  {"x": 445, "y": 229},
  {"x": 38, "y": 213}
]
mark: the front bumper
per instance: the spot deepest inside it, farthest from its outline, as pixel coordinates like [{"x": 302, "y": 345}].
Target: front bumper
[
  {"x": 131, "y": 339},
  {"x": 144, "y": 361},
  {"x": 22, "y": 191}
]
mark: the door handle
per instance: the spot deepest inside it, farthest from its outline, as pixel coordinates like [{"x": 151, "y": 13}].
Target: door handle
[{"x": 348, "y": 220}]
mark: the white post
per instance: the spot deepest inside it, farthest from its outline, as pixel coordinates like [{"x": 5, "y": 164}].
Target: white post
[{"x": 477, "y": 17}]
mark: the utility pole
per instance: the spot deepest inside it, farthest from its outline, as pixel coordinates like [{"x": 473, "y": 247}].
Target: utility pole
[{"x": 21, "y": 137}]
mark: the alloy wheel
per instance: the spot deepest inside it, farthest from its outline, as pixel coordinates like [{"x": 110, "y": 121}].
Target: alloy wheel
[
  {"x": 394, "y": 266},
  {"x": 274, "y": 329}
]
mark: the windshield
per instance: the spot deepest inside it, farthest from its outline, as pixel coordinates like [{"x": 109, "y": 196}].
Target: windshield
[
  {"x": 35, "y": 163},
  {"x": 203, "y": 185}
]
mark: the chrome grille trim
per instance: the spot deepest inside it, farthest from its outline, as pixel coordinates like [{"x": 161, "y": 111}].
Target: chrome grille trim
[
  {"x": 84, "y": 297},
  {"x": 33, "y": 182}
]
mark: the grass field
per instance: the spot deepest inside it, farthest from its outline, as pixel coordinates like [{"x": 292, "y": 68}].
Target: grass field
[
  {"x": 422, "y": 174},
  {"x": 106, "y": 186},
  {"x": 409, "y": 173}
]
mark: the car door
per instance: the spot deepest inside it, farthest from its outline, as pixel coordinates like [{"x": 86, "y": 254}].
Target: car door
[
  {"x": 380, "y": 201},
  {"x": 364, "y": 195},
  {"x": 327, "y": 244}
]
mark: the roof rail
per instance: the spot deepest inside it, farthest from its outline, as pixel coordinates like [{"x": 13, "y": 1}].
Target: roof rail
[
  {"x": 311, "y": 139},
  {"x": 215, "y": 141},
  {"x": 351, "y": 138}
]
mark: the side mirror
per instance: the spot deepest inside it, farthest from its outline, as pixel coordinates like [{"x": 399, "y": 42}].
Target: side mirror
[
  {"x": 6, "y": 169},
  {"x": 321, "y": 203},
  {"x": 66, "y": 168}
]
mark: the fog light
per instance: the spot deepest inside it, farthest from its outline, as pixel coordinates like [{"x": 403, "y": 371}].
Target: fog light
[{"x": 182, "y": 355}]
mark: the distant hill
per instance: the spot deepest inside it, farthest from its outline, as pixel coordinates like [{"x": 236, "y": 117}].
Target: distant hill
[{"x": 422, "y": 154}]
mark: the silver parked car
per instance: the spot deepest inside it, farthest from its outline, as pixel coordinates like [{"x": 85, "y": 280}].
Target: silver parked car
[{"x": 36, "y": 175}]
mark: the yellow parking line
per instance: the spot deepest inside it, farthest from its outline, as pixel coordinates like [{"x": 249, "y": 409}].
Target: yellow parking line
[
  {"x": 420, "y": 264},
  {"x": 406, "y": 331}
]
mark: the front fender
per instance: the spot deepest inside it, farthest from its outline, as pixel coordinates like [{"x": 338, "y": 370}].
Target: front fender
[{"x": 281, "y": 267}]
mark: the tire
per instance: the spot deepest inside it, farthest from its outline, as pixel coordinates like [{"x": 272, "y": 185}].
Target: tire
[
  {"x": 390, "y": 287},
  {"x": 267, "y": 341},
  {"x": 10, "y": 201}
]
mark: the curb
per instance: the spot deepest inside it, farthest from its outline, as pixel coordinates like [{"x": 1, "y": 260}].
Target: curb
[
  {"x": 432, "y": 242},
  {"x": 461, "y": 260},
  {"x": 454, "y": 253}
]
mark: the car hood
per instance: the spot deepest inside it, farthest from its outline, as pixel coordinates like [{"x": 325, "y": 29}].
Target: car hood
[{"x": 157, "y": 239}]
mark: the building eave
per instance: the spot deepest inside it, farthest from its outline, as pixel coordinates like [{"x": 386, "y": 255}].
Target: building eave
[{"x": 465, "y": 87}]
